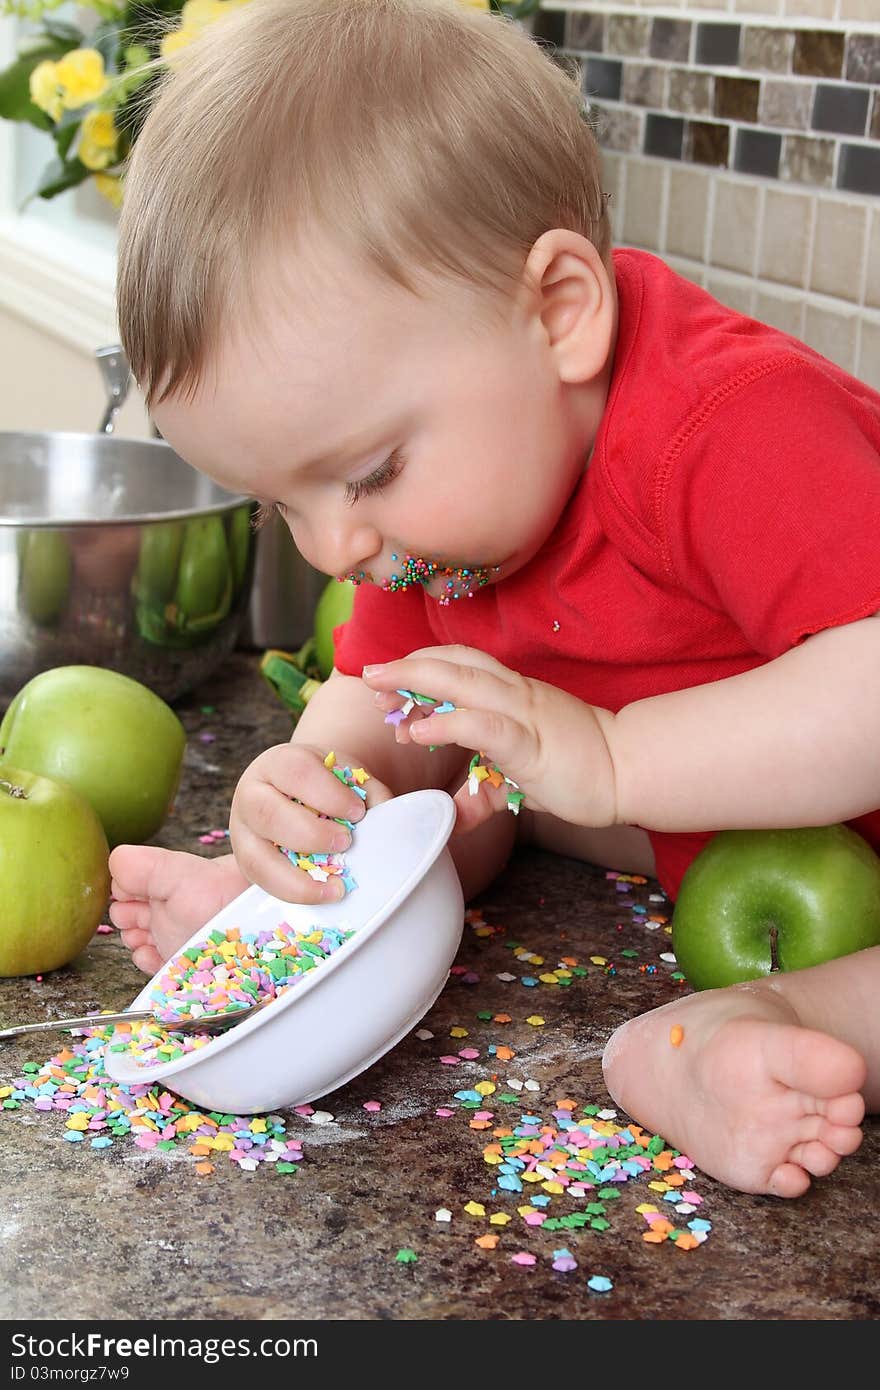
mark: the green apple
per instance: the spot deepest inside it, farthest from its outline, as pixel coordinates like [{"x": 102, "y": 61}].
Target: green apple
[
  {"x": 754, "y": 901},
  {"x": 106, "y": 735},
  {"x": 158, "y": 559},
  {"x": 54, "y": 878},
  {"x": 333, "y": 607},
  {"x": 44, "y": 575},
  {"x": 204, "y": 577}
]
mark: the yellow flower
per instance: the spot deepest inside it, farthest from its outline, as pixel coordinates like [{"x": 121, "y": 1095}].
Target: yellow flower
[
  {"x": 195, "y": 16},
  {"x": 175, "y": 41},
  {"x": 97, "y": 141},
  {"x": 80, "y": 76},
  {"x": 110, "y": 187},
  {"x": 474, "y": 4},
  {"x": 44, "y": 89}
]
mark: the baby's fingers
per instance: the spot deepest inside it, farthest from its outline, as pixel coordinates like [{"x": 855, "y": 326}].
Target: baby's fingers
[
  {"x": 503, "y": 740},
  {"x": 264, "y": 863},
  {"x": 473, "y": 810}
]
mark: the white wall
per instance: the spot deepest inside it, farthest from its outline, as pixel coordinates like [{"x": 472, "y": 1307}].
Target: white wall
[{"x": 46, "y": 384}]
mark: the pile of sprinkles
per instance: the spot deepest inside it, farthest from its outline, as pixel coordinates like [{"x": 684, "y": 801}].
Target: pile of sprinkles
[
  {"x": 231, "y": 970},
  {"x": 103, "y": 1113},
  {"x": 462, "y": 581},
  {"x": 321, "y": 867},
  {"x": 478, "y": 770}
]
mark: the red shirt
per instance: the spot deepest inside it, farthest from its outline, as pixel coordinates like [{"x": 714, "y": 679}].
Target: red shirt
[{"x": 730, "y": 509}]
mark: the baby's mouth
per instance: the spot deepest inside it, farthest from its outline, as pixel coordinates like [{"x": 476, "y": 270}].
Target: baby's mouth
[{"x": 443, "y": 582}]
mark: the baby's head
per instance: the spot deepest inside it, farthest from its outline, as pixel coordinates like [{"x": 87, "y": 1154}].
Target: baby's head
[{"x": 364, "y": 274}]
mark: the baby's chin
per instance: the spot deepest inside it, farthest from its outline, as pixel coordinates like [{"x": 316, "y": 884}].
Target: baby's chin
[{"x": 443, "y": 582}]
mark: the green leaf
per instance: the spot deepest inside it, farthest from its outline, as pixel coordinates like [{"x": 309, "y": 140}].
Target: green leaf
[
  {"x": 108, "y": 40},
  {"x": 59, "y": 175},
  {"x": 68, "y": 34},
  {"x": 64, "y": 136},
  {"x": 15, "y": 97}
]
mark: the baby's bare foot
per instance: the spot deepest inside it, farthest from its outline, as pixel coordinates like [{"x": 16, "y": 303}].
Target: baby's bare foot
[
  {"x": 732, "y": 1079},
  {"x": 162, "y": 896}
]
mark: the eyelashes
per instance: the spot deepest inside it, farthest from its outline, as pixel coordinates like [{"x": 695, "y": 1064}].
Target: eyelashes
[
  {"x": 264, "y": 513},
  {"x": 376, "y": 481},
  {"x": 354, "y": 491}
]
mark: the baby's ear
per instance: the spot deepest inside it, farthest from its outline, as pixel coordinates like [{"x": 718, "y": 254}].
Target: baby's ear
[{"x": 574, "y": 296}]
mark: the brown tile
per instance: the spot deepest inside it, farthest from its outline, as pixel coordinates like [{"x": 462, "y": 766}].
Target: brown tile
[
  {"x": 690, "y": 91},
  {"x": 863, "y": 58},
  {"x": 644, "y": 84},
  {"x": 736, "y": 98},
  {"x": 807, "y": 161},
  {"x": 767, "y": 50},
  {"x": 874, "y": 127},
  {"x": 785, "y": 103},
  {"x": 670, "y": 40},
  {"x": 818, "y": 53},
  {"x": 585, "y": 32},
  {"x": 628, "y": 34},
  {"x": 707, "y": 143}
]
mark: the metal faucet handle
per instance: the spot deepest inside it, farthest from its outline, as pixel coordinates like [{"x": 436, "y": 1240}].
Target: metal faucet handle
[{"x": 116, "y": 373}]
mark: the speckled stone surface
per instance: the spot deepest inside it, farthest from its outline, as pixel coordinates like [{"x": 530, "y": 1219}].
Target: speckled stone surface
[{"x": 127, "y": 1234}]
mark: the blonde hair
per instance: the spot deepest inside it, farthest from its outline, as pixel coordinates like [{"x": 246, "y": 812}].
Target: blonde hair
[{"x": 429, "y": 137}]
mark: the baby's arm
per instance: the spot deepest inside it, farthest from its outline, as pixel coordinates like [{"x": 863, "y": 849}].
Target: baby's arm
[{"x": 794, "y": 742}]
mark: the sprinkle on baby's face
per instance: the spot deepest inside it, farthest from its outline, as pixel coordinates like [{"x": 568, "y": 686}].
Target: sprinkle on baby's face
[{"x": 404, "y": 438}]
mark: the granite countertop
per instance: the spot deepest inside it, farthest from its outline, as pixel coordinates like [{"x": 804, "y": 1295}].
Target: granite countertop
[{"x": 124, "y": 1233}]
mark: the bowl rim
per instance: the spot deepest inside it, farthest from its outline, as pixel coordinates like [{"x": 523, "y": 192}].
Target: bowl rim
[
  {"x": 221, "y": 1043},
  {"x": 232, "y": 501}
]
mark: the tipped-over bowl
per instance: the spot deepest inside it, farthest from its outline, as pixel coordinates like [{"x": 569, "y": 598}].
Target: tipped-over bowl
[{"x": 407, "y": 914}]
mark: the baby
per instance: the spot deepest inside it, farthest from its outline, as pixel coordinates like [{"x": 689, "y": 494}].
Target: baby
[{"x": 365, "y": 275}]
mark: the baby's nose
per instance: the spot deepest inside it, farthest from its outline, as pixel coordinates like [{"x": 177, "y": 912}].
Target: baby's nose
[{"x": 344, "y": 550}]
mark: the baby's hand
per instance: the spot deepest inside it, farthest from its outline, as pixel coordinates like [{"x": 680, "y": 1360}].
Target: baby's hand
[
  {"x": 549, "y": 743},
  {"x": 289, "y": 797}
]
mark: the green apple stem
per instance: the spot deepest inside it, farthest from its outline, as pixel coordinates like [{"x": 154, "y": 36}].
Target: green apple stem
[
  {"x": 12, "y": 789},
  {"x": 774, "y": 940}
]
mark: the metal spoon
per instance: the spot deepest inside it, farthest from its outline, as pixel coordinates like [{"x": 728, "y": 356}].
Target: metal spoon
[{"x": 207, "y": 1023}]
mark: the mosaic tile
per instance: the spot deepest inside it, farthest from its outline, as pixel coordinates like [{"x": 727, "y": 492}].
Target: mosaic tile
[
  {"x": 843, "y": 110},
  {"x": 707, "y": 143},
  {"x": 863, "y": 57},
  {"x": 664, "y": 136},
  {"x": 718, "y": 45},
  {"x": 757, "y": 152},
  {"x": 818, "y": 54},
  {"x": 767, "y": 50},
  {"x": 671, "y": 40},
  {"x": 859, "y": 169},
  {"x": 602, "y": 78},
  {"x": 690, "y": 91},
  {"x": 806, "y": 159},
  {"x": 644, "y": 84},
  {"x": 785, "y": 103},
  {"x": 736, "y": 98},
  {"x": 628, "y": 35}
]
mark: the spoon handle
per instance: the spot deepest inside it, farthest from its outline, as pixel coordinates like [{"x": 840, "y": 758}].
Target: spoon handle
[{"x": 92, "y": 1021}]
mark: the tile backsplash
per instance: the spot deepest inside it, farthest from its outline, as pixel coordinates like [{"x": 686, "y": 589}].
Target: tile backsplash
[{"x": 741, "y": 141}]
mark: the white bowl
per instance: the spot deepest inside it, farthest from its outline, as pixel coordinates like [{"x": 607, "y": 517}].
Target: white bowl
[{"x": 407, "y": 913}]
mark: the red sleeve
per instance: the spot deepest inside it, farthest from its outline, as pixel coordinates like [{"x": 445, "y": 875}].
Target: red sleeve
[
  {"x": 383, "y": 627},
  {"x": 769, "y": 502}
]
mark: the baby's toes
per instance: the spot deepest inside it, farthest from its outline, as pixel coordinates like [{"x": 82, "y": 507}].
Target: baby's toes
[
  {"x": 846, "y": 1110},
  {"x": 815, "y": 1157},
  {"x": 788, "y": 1180},
  {"x": 842, "y": 1139},
  {"x": 147, "y": 958},
  {"x": 126, "y": 915}
]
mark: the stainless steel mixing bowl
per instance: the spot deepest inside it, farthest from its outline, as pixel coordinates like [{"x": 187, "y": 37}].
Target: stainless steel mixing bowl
[{"x": 115, "y": 552}]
